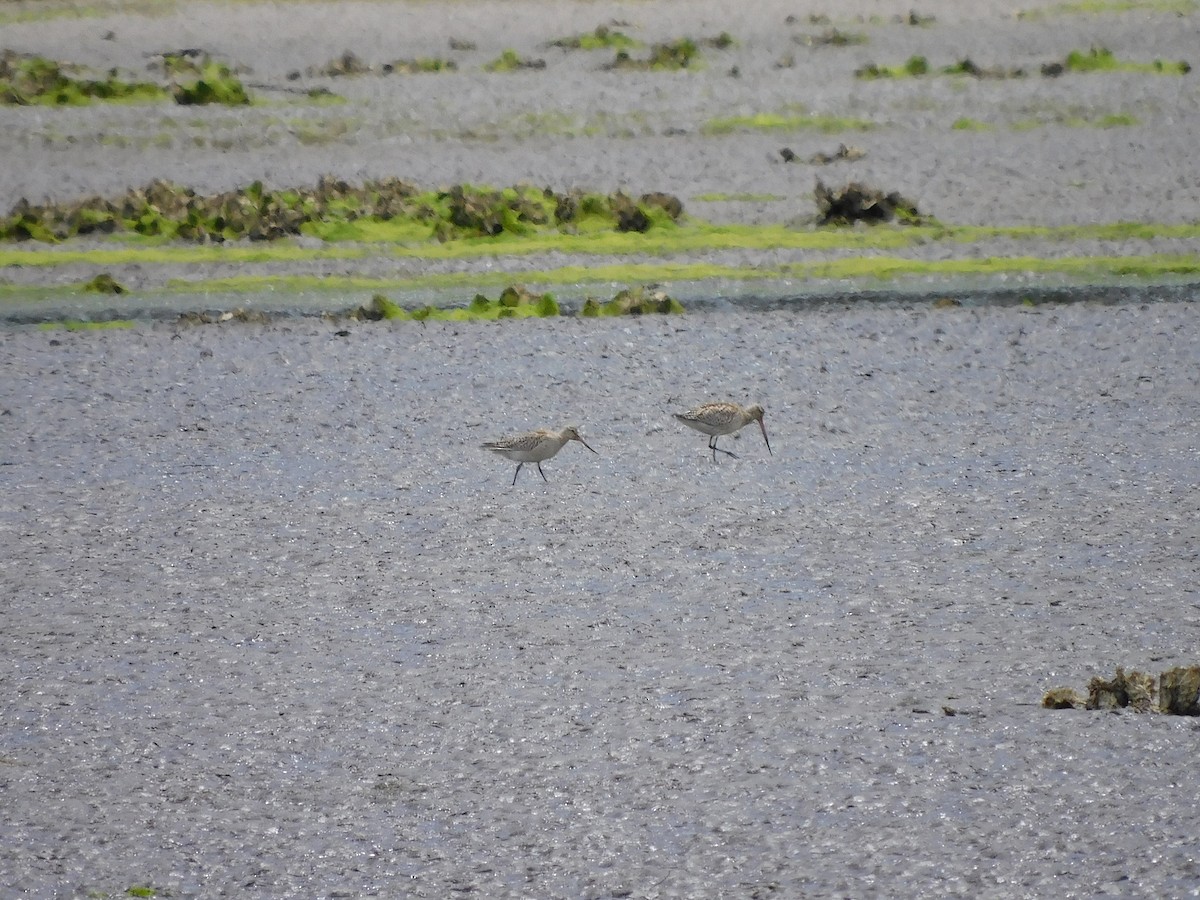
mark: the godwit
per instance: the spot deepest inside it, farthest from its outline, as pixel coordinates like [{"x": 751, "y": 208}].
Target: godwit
[
  {"x": 534, "y": 446},
  {"x": 716, "y": 419}
]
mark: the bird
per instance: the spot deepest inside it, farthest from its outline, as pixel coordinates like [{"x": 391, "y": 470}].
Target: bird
[
  {"x": 716, "y": 419},
  {"x": 535, "y": 446}
]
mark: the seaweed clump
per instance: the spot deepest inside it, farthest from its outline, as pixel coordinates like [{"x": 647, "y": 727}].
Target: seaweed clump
[
  {"x": 603, "y": 37},
  {"x": 515, "y": 301},
  {"x": 575, "y": 208},
  {"x": 632, "y": 302},
  {"x": 163, "y": 209},
  {"x": 518, "y": 302},
  {"x": 104, "y": 283},
  {"x": 30, "y": 80},
  {"x": 670, "y": 56},
  {"x": 511, "y": 61},
  {"x": 1101, "y": 59},
  {"x": 1177, "y": 689},
  {"x": 198, "y": 80},
  {"x": 349, "y": 64},
  {"x": 856, "y": 202}
]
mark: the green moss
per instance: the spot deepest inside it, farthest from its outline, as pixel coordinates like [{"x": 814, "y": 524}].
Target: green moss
[
  {"x": 767, "y": 121},
  {"x": 141, "y": 890}
]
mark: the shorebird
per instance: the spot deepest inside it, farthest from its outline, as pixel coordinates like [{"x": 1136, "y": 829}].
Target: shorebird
[
  {"x": 716, "y": 419},
  {"x": 534, "y": 446}
]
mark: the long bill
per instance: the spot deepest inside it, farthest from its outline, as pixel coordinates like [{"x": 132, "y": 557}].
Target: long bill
[{"x": 763, "y": 426}]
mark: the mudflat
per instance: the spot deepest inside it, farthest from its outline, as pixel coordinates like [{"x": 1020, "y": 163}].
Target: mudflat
[{"x": 274, "y": 624}]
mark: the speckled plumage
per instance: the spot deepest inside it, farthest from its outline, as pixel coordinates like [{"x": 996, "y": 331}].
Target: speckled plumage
[
  {"x": 534, "y": 446},
  {"x": 716, "y": 419}
]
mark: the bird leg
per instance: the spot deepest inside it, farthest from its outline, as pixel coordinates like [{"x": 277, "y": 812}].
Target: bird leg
[
  {"x": 518, "y": 472},
  {"x": 712, "y": 444},
  {"x": 543, "y": 474}
]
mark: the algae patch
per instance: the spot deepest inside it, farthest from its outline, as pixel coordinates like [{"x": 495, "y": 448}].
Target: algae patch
[
  {"x": 600, "y": 39},
  {"x": 785, "y": 121},
  {"x": 517, "y": 302},
  {"x": 337, "y": 210},
  {"x": 514, "y": 302}
]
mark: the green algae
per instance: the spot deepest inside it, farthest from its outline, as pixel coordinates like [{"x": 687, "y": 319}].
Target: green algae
[
  {"x": 1101, "y": 59},
  {"x": 514, "y": 302},
  {"x": 1094, "y": 7},
  {"x": 891, "y": 268},
  {"x": 511, "y": 61},
  {"x": 336, "y": 210},
  {"x": 872, "y": 268},
  {"x": 87, "y": 325},
  {"x": 722, "y": 197},
  {"x": 104, "y": 283},
  {"x": 632, "y": 302},
  {"x": 35, "y": 80},
  {"x": 214, "y": 82},
  {"x": 913, "y": 67},
  {"x": 48, "y": 12},
  {"x": 603, "y": 38},
  {"x": 794, "y": 121},
  {"x": 969, "y": 124},
  {"x": 1097, "y": 59},
  {"x": 670, "y": 56},
  {"x": 693, "y": 236},
  {"x": 517, "y": 301}
]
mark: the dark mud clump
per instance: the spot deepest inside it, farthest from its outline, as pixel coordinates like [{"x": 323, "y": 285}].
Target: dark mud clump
[
  {"x": 858, "y": 203},
  {"x": 844, "y": 153}
]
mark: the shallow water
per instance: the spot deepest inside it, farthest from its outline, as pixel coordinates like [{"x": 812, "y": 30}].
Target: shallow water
[{"x": 276, "y": 626}]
